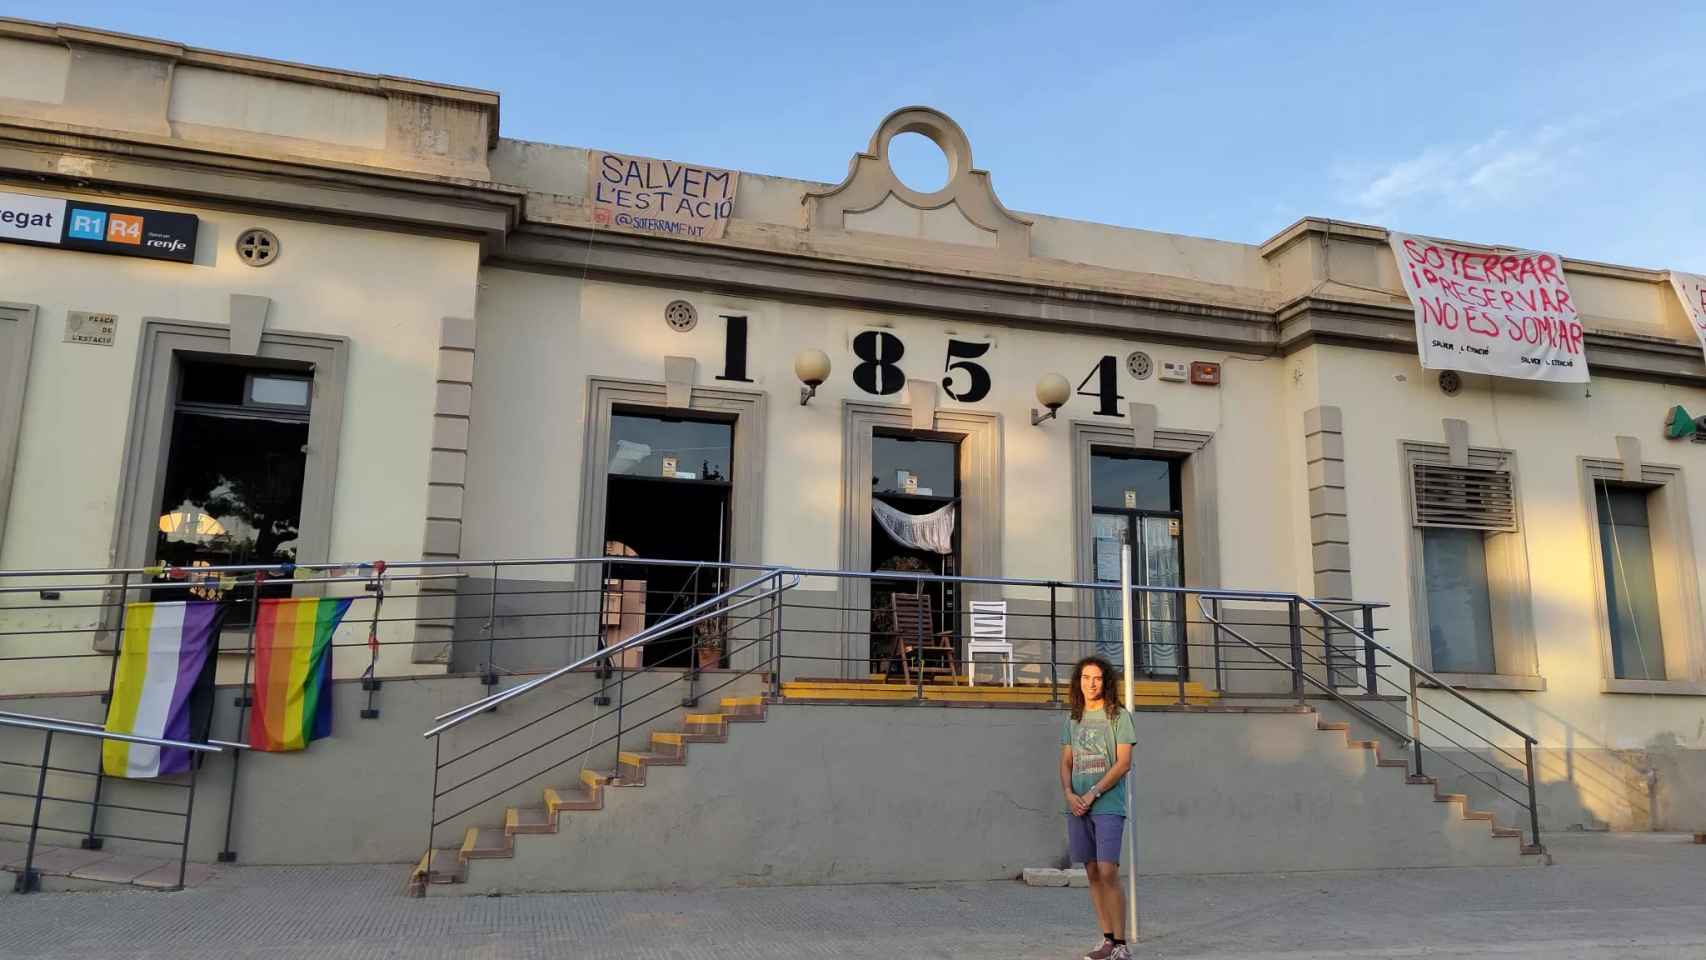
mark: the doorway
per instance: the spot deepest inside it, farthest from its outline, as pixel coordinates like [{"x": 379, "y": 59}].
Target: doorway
[
  {"x": 1136, "y": 500},
  {"x": 668, "y": 498},
  {"x": 914, "y": 475}
]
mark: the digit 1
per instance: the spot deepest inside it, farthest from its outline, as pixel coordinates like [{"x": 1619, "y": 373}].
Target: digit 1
[
  {"x": 734, "y": 351},
  {"x": 1107, "y": 388}
]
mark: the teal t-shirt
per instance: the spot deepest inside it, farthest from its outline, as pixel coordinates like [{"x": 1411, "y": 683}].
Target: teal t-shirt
[{"x": 1093, "y": 741}]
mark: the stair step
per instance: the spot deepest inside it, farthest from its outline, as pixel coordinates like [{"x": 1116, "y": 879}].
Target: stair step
[
  {"x": 484, "y": 843},
  {"x": 1389, "y": 762},
  {"x": 1450, "y": 798},
  {"x": 1363, "y": 744},
  {"x": 1332, "y": 725},
  {"x": 581, "y": 797},
  {"x": 1415, "y": 779},
  {"x": 1530, "y": 849},
  {"x": 1506, "y": 832},
  {"x": 443, "y": 865},
  {"x": 638, "y": 759},
  {"x": 529, "y": 820},
  {"x": 1477, "y": 815},
  {"x": 596, "y": 778}
]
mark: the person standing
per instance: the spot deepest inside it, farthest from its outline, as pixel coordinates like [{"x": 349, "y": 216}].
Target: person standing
[{"x": 1096, "y": 741}]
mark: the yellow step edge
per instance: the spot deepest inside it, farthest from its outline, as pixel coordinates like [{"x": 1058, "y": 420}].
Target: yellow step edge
[
  {"x": 468, "y": 841},
  {"x": 425, "y": 866},
  {"x": 631, "y": 758},
  {"x": 553, "y": 800},
  {"x": 756, "y": 701},
  {"x": 664, "y": 736},
  {"x": 593, "y": 778},
  {"x": 718, "y": 718},
  {"x": 512, "y": 818}
]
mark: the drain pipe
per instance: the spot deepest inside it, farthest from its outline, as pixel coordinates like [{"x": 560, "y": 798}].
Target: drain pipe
[{"x": 1130, "y": 781}]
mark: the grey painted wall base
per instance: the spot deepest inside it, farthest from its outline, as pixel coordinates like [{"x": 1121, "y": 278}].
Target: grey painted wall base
[{"x": 843, "y": 794}]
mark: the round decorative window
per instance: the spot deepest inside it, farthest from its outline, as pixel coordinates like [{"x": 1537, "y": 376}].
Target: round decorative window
[
  {"x": 1139, "y": 365},
  {"x": 680, "y": 316},
  {"x": 257, "y": 247}
]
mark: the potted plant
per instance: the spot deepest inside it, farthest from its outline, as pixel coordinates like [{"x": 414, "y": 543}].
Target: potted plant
[{"x": 710, "y": 638}]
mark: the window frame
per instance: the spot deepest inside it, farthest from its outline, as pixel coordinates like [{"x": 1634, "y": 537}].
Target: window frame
[
  {"x": 148, "y": 441},
  {"x": 1680, "y": 619},
  {"x": 1516, "y": 662},
  {"x": 17, "y": 336}
]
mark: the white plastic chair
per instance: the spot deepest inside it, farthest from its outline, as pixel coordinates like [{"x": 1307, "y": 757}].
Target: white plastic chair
[{"x": 988, "y": 635}]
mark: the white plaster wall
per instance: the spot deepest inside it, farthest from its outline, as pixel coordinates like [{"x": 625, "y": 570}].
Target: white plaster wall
[
  {"x": 219, "y": 98},
  {"x": 33, "y": 71},
  {"x": 1387, "y": 398},
  {"x": 385, "y": 292},
  {"x": 542, "y": 336}
]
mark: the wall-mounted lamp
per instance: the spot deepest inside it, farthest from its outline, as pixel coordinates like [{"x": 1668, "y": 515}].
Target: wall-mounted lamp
[
  {"x": 812, "y": 367},
  {"x": 1052, "y": 392}
]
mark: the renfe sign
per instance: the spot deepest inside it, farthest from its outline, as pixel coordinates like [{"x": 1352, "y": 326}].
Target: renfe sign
[
  {"x": 1692, "y": 289},
  {"x": 656, "y": 196},
  {"x": 97, "y": 227},
  {"x": 1507, "y": 314}
]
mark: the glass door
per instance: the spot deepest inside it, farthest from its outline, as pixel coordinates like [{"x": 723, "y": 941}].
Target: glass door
[{"x": 1135, "y": 500}]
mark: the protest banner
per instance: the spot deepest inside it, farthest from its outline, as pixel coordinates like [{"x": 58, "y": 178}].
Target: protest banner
[
  {"x": 657, "y": 196},
  {"x": 1502, "y": 313},
  {"x": 1691, "y": 288}
]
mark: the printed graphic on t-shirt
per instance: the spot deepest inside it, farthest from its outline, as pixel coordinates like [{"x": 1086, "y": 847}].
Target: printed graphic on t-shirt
[{"x": 1091, "y": 751}]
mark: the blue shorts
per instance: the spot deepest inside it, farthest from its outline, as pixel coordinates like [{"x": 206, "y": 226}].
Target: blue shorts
[{"x": 1095, "y": 837}]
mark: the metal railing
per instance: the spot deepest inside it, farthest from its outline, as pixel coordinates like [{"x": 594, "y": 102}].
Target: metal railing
[
  {"x": 29, "y": 879},
  {"x": 1365, "y": 663}
]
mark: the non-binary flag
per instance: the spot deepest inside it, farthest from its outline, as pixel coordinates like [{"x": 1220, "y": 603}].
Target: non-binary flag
[
  {"x": 163, "y": 665},
  {"x": 293, "y": 671}
]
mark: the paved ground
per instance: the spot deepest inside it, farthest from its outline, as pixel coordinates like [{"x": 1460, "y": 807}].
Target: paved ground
[{"x": 1609, "y": 896}]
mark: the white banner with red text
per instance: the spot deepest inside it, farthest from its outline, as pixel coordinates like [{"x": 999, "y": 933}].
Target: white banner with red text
[{"x": 1501, "y": 313}]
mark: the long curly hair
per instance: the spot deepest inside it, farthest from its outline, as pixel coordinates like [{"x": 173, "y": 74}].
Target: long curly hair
[{"x": 1110, "y": 686}]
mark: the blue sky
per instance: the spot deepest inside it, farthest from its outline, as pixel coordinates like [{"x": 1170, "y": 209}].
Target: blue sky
[{"x": 1574, "y": 127}]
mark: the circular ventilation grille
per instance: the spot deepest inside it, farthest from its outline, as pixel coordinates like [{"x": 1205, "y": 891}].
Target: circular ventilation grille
[
  {"x": 257, "y": 247},
  {"x": 1450, "y": 382},
  {"x": 1139, "y": 365},
  {"x": 680, "y": 316}
]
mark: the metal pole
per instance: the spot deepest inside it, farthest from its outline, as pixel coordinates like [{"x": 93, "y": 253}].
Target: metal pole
[
  {"x": 1182, "y": 647},
  {"x": 918, "y": 591},
  {"x": 776, "y": 607},
  {"x": 28, "y": 881},
  {"x": 490, "y": 678},
  {"x": 1053, "y": 644},
  {"x": 1296, "y": 653},
  {"x": 1130, "y": 785},
  {"x": 189, "y": 808},
  {"x": 92, "y": 842},
  {"x": 228, "y": 855},
  {"x": 1372, "y": 678},
  {"x": 1219, "y": 680},
  {"x": 1533, "y": 803},
  {"x": 1415, "y": 727}
]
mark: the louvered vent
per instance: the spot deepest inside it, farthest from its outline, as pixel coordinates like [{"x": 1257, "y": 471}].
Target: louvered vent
[{"x": 1464, "y": 498}]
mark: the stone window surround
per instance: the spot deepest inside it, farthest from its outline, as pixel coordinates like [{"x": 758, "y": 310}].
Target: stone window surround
[
  {"x": 1198, "y": 486},
  {"x": 747, "y": 407},
  {"x": 1508, "y": 585},
  {"x": 148, "y": 435},
  {"x": 1673, "y": 565},
  {"x": 17, "y": 333},
  {"x": 982, "y": 482}
]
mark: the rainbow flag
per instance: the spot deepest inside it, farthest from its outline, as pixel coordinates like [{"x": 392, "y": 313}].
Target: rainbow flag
[
  {"x": 293, "y": 671},
  {"x": 164, "y": 672}
]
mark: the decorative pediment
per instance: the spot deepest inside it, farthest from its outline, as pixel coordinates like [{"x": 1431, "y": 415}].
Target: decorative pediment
[{"x": 872, "y": 200}]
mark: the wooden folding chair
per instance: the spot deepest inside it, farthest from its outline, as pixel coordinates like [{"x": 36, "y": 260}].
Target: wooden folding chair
[{"x": 916, "y": 637}]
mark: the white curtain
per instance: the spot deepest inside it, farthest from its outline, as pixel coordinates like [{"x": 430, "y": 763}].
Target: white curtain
[{"x": 931, "y": 531}]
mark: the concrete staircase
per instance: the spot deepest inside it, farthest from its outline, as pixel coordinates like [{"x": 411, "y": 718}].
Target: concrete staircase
[
  {"x": 449, "y": 865},
  {"x": 957, "y": 690}
]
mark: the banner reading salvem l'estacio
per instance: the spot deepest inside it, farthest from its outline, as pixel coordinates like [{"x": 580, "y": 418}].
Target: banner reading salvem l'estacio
[
  {"x": 681, "y": 200},
  {"x": 1691, "y": 288},
  {"x": 1502, "y": 313}
]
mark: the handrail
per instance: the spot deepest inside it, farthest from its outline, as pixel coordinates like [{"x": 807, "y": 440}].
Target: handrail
[
  {"x": 468, "y": 711},
  {"x": 1365, "y": 638},
  {"x": 669, "y": 624},
  {"x": 1371, "y": 718},
  {"x": 82, "y": 728}
]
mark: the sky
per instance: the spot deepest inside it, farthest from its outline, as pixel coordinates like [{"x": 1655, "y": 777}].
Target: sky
[{"x": 1574, "y": 127}]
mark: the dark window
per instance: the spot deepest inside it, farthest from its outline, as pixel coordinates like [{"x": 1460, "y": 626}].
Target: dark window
[
  {"x": 234, "y": 473},
  {"x": 663, "y": 447},
  {"x": 1134, "y": 483},
  {"x": 1460, "y": 610},
  {"x": 918, "y": 466},
  {"x": 1631, "y": 590}
]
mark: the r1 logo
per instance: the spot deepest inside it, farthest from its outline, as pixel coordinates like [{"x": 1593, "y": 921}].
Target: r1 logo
[
  {"x": 124, "y": 229},
  {"x": 87, "y": 225}
]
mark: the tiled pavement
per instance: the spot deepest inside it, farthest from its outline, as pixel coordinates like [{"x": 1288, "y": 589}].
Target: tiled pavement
[
  {"x": 1615, "y": 896},
  {"x": 56, "y": 863}
]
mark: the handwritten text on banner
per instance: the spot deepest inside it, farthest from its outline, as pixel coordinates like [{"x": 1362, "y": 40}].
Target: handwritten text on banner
[
  {"x": 1691, "y": 287},
  {"x": 656, "y": 196},
  {"x": 1507, "y": 314}
]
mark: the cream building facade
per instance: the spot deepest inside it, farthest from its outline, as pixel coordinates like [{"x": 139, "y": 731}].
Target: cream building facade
[{"x": 475, "y": 342}]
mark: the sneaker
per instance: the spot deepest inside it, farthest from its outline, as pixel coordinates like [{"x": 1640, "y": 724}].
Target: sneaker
[
  {"x": 1121, "y": 952},
  {"x": 1102, "y": 952}
]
